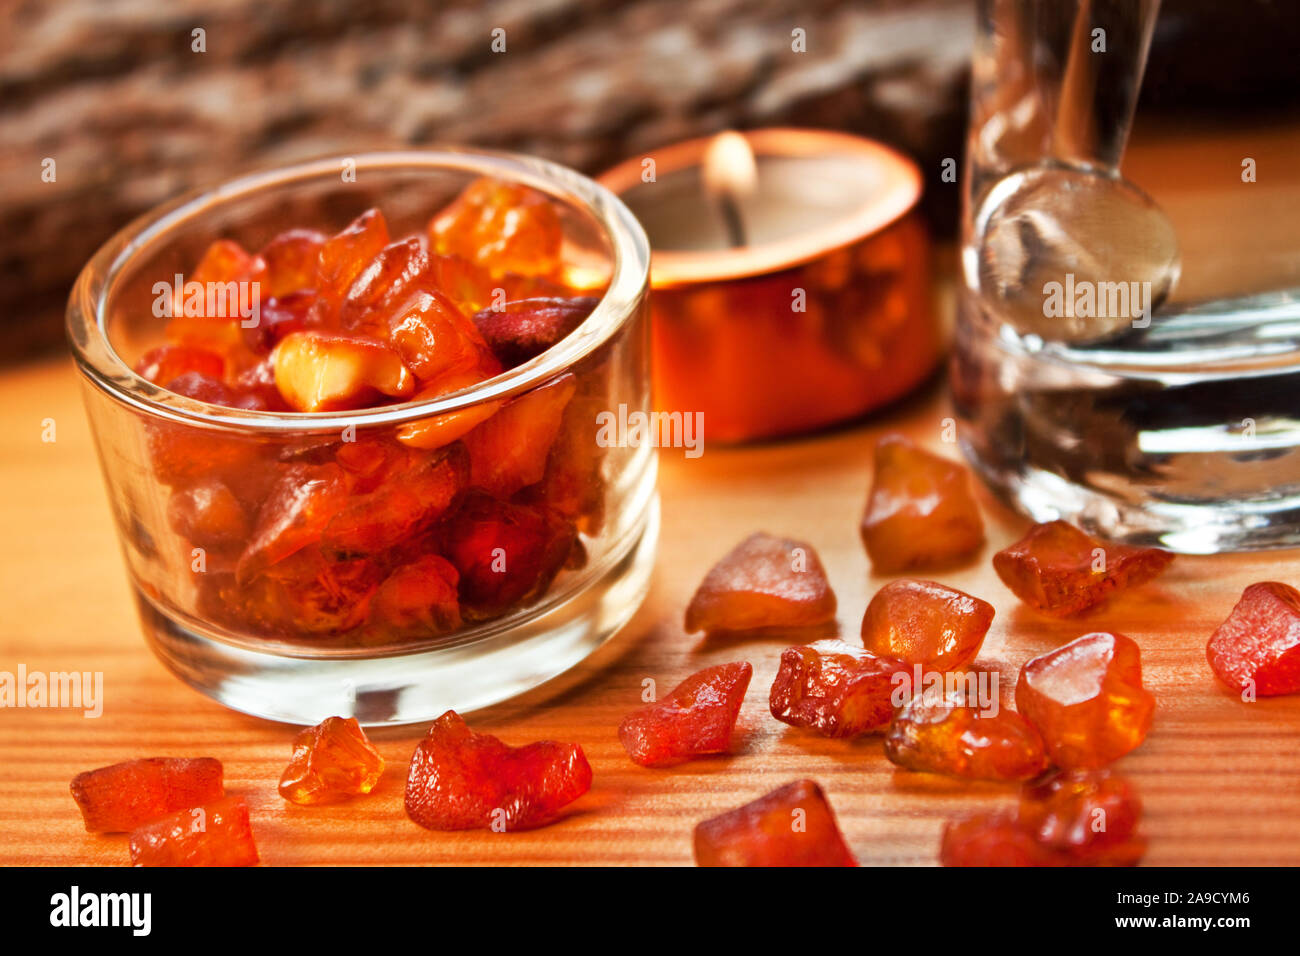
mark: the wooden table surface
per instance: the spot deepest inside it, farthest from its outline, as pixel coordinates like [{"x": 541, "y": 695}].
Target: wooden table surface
[{"x": 1220, "y": 778}]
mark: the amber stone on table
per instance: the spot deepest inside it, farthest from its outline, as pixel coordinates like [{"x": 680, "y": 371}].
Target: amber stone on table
[
  {"x": 462, "y": 780},
  {"x": 1061, "y": 571},
  {"x": 920, "y": 511},
  {"x": 331, "y": 761},
  {"x": 1257, "y": 649},
  {"x": 836, "y": 689},
  {"x": 765, "y": 581},
  {"x": 951, "y": 734},
  {"x": 120, "y": 797},
  {"x": 1090, "y": 816},
  {"x": 921, "y": 622},
  {"x": 1087, "y": 700},
  {"x": 216, "y": 834},
  {"x": 992, "y": 839},
  {"x": 1069, "y": 818},
  {"x": 791, "y": 826},
  {"x": 697, "y": 718}
]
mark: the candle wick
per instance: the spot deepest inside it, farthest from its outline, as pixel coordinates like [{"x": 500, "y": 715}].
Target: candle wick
[{"x": 732, "y": 219}]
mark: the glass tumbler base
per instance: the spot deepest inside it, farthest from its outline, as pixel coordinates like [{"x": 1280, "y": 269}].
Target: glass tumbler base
[{"x": 502, "y": 661}]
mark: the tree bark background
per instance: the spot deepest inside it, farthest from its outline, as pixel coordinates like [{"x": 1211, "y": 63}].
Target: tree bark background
[{"x": 115, "y": 94}]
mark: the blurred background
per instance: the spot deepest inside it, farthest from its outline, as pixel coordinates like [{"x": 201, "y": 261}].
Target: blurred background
[{"x": 118, "y": 94}]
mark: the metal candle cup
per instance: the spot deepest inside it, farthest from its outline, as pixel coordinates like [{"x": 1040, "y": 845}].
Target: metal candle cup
[{"x": 822, "y": 315}]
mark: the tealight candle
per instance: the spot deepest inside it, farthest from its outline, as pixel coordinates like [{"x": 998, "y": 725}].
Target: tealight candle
[{"x": 790, "y": 278}]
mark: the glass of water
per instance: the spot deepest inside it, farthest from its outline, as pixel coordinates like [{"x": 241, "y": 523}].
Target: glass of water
[{"x": 1121, "y": 361}]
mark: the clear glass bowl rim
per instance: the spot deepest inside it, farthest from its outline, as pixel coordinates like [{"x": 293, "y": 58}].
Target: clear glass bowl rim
[{"x": 88, "y": 303}]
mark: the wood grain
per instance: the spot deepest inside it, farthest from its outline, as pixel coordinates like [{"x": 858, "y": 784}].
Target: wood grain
[{"x": 1221, "y": 779}]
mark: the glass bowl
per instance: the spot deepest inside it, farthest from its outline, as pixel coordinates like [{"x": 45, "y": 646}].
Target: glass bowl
[{"x": 275, "y": 611}]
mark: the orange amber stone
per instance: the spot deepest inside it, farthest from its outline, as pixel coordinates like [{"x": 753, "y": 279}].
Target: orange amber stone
[
  {"x": 438, "y": 431},
  {"x": 1087, "y": 700},
  {"x": 765, "y": 581},
  {"x": 347, "y": 253},
  {"x": 120, "y": 797},
  {"x": 920, "y": 512},
  {"x": 216, "y": 834},
  {"x": 436, "y": 341},
  {"x": 289, "y": 263},
  {"x": 992, "y": 839},
  {"x": 209, "y": 515},
  {"x": 835, "y": 689},
  {"x": 419, "y": 598},
  {"x": 506, "y": 553},
  {"x": 1258, "y": 647},
  {"x": 1059, "y": 570},
  {"x": 1089, "y": 816},
  {"x": 1071, "y": 818},
  {"x": 460, "y": 780},
  {"x": 414, "y": 494},
  {"x": 509, "y": 450},
  {"x": 331, "y": 761},
  {"x": 951, "y": 734},
  {"x": 466, "y": 283},
  {"x": 391, "y": 275},
  {"x": 921, "y": 622},
  {"x": 504, "y": 227},
  {"x": 294, "y": 514},
  {"x": 323, "y": 371},
  {"x": 791, "y": 826},
  {"x": 169, "y": 362},
  {"x": 697, "y": 718}
]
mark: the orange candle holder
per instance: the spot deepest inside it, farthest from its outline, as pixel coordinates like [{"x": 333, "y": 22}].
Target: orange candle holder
[{"x": 825, "y": 313}]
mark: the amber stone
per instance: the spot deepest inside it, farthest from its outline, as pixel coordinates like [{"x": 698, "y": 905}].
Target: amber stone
[
  {"x": 793, "y": 825},
  {"x": 290, "y": 261},
  {"x": 951, "y": 734},
  {"x": 504, "y": 227},
  {"x": 208, "y": 514},
  {"x": 437, "y": 342},
  {"x": 920, "y": 512},
  {"x": 120, "y": 797},
  {"x": 696, "y": 719},
  {"x": 1257, "y": 649},
  {"x": 166, "y": 363},
  {"x": 347, "y": 253},
  {"x": 1090, "y": 816},
  {"x": 506, "y": 554},
  {"x": 1087, "y": 700},
  {"x": 509, "y": 450},
  {"x": 526, "y": 328},
  {"x": 1059, "y": 570},
  {"x": 460, "y": 780},
  {"x": 921, "y": 622},
  {"x": 216, "y": 834},
  {"x": 992, "y": 839},
  {"x": 419, "y": 598},
  {"x": 320, "y": 371},
  {"x": 1069, "y": 818},
  {"x": 332, "y": 761},
  {"x": 837, "y": 689},
  {"x": 765, "y": 581}
]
